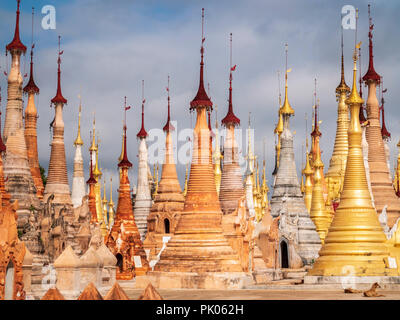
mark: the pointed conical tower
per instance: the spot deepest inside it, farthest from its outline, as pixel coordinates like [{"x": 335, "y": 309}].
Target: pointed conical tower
[
  {"x": 143, "y": 200},
  {"x": 198, "y": 244},
  {"x": 57, "y": 178},
  {"x": 278, "y": 131},
  {"x": 217, "y": 156},
  {"x": 30, "y": 131},
  {"x": 381, "y": 183},
  {"x": 316, "y": 136},
  {"x": 78, "y": 180},
  {"x": 111, "y": 212},
  {"x": 99, "y": 204},
  {"x": 385, "y": 133},
  {"x": 308, "y": 185},
  {"x": 169, "y": 201},
  {"x": 318, "y": 213},
  {"x": 186, "y": 180},
  {"x": 337, "y": 164},
  {"x": 287, "y": 197},
  {"x": 124, "y": 237},
  {"x": 355, "y": 241},
  {"x": 19, "y": 182},
  {"x": 231, "y": 180},
  {"x": 104, "y": 203},
  {"x": 249, "y": 175},
  {"x": 92, "y": 194}
]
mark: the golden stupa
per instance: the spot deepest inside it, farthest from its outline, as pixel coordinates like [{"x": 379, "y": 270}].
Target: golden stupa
[
  {"x": 355, "y": 238},
  {"x": 337, "y": 164},
  {"x": 308, "y": 185},
  {"x": 318, "y": 213}
]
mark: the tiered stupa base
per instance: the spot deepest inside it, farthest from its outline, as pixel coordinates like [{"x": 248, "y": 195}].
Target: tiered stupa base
[{"x": 194, "y": 280}]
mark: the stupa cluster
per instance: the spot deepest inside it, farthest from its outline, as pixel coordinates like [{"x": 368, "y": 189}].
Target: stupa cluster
[{"x": 220, "y": 230}]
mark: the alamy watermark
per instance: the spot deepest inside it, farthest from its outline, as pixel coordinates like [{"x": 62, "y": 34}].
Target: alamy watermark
[
  {"x": 348, "y": 17},
  {"x": 49, "y": 20}
]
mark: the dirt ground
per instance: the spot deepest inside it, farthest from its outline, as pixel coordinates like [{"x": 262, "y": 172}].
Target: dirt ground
[{"x": 263, "y": 294}]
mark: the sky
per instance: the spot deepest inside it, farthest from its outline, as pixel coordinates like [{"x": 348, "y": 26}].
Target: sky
[{"x": 111, "y": 46}]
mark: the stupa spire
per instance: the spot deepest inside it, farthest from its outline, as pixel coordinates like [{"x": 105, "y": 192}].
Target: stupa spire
[
  {"x": 20, "y": 183},
  {"x": 231, "y": 189},
  {"x": 342, "y": 87},
  {"x": 16, "y": 43},
  {"x": 230, "y": 117},
  {"x": 278, "y": 130},
  {"x": 110, "y": 208},
  {"x": 57, "y": 179},
  {"x": 385, "y": 133},
  {"x": 380, "y": 181},
  {"x": 337, "y": 164},
  {"x": 143, "y": 199},
  {"x": 93, "y": 146},
  {"x": 318, "y": 213},
  {"x": 198, "y": 243},
  {"x": 59, "y": 97},
  {"x": 78, "y": 140},
  {"x": 168, "y": 126},
  {"x": 78, "y": 180},
  {"x": 201, "y": 98},
  {"x": 217, "y": 156},
  {"x": 31, "y": 127},
  {"x": 286, "y": 108},
  {"x": 92, "y": 197},
  {"x": 168, "y": 198},
  {"x": 371, "y": 74},
  {"x": 355, "y": 232},
  {"x": 287, "y": 199},
  {"x": 142, "y": 134},
  {"x": 308, "y": 185},
  {"x": 124, "y": 229}
]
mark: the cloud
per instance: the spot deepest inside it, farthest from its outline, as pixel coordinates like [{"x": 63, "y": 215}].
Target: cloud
[{"x": 109, "y": 49}]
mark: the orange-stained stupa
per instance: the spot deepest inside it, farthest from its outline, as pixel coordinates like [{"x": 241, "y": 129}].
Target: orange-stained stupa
[{"x": 198, "y": 244}]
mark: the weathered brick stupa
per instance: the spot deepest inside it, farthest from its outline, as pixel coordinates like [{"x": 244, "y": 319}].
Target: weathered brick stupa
[
  {"x": 124, "y": 237},
  {"x": 381, "y": 184},
  {"x": 231, "y": 189},
  {"x": 337, "y": 164},
  {"x": 19, "y": 182},
  {"x": 198, "y": 255},
  {"x": 78, "y": 180},
  {"x": 57, "y": 178},
  {"x": 169, "y": 200},
  {"x": 355, "y": 243},
  {"x": 288, "y": 200},
  {"x": 30, "y": 131},
  {"x": 143, "y": 200}
]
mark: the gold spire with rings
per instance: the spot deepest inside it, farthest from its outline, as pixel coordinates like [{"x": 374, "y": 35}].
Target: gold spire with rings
[
  {"x": 355, "y": 239},
  {"x": 286, "y": 108},
  {"x": 186, "y": 180},
  {"x": 93, "y": 147},
  {"x": 318, "y": 213},
  {"x": 97, "y": 172},
  {"x": 78, "y": 140},
  {"x": 308, "y": 185},
  {"x": 110, "y": 208},
  {"x": 217, "y": 156}
]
